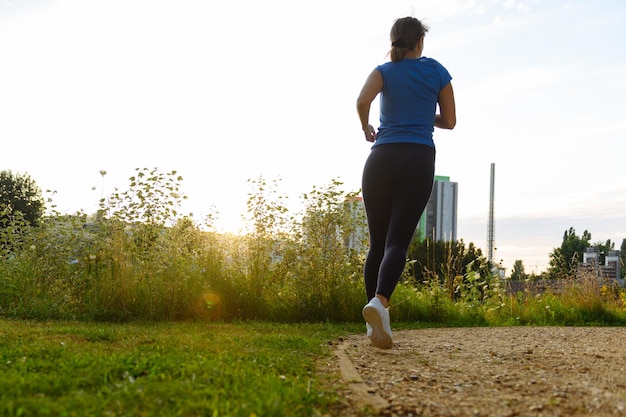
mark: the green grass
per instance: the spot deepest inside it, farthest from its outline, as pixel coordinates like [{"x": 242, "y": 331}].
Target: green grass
[{"x": 164, "y": 369}]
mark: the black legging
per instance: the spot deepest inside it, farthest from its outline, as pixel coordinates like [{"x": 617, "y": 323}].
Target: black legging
[{"x": 397, "y": 182}]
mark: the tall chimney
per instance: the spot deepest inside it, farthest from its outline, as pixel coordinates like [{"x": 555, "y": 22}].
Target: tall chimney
[{"x": 491, "y": 233}]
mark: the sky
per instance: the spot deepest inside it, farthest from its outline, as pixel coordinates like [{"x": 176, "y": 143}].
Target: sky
[{"x": 229, "y": 91}]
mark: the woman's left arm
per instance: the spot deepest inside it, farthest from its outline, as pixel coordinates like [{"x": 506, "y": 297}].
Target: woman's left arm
[{"x": 447, "y": 117}]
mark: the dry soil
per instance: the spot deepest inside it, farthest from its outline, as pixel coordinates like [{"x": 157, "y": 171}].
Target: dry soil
[{"x": 513, "y": 371}]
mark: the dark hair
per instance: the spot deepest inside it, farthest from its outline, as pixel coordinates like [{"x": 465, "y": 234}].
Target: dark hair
[{"x": 405, "y": 33}]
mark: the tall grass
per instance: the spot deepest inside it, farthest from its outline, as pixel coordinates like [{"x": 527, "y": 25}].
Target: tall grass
[
  {"x": 138, "y": 258},
  {"x": 583, "y": 300}
]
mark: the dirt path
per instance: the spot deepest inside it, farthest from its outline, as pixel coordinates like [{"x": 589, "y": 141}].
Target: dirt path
[{"x": 515, "y": 371}]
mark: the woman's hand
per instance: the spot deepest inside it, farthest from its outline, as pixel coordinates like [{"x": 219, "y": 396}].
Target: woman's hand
[{"x": 370, "y": 133}]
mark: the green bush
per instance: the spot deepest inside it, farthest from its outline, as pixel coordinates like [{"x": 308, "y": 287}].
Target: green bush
[{"x": 139, "y": 258}]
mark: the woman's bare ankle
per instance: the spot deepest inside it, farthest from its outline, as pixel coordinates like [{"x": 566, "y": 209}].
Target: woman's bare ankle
[{"x": 382, "y": 299}]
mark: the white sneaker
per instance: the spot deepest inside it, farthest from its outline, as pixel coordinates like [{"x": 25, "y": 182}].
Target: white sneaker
[{"x": 378, "y": 318}]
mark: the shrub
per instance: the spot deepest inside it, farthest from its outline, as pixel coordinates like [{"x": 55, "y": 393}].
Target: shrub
[{"x": 138, "y": 258}]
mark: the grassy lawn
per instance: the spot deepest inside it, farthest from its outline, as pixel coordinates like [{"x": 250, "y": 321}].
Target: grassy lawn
[{"x": 164, "y": 369}]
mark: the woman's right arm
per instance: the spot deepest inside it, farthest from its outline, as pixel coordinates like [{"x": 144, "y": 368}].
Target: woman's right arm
[
  {"x": 447, "y": 117},
  {"x": 373, "y": 85}
]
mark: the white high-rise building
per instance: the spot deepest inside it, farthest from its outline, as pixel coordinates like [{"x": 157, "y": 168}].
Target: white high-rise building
[
  {"x": 357, "y": 236},
  {"x": 438, "y": 222}
]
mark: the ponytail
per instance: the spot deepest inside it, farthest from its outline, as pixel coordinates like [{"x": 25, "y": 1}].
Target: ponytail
[{"x": 405, "y": 34}]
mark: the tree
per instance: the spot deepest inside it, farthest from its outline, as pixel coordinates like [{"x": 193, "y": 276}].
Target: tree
[
  {"x": 623, "y": 258},
  {"x": 563, "y": 260},
  {"x": 20, "y": 194},
  {"x": 152, "y": 198},
  {"x": 448, "y": 259},
  {"x": 518, "y": 273}
]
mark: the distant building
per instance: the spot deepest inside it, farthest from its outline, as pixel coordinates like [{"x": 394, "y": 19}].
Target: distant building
[
  {"x": 357, "y": 237},
  {"x": 610, "y": 270},
  {"x": 438, "y": 222}
]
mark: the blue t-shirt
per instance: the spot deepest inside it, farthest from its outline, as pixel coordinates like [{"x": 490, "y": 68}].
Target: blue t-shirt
[{"x": 408, "y": 101}]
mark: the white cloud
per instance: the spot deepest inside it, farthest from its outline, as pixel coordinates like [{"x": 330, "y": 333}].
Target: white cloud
[{"x": 511, "y": 83}]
